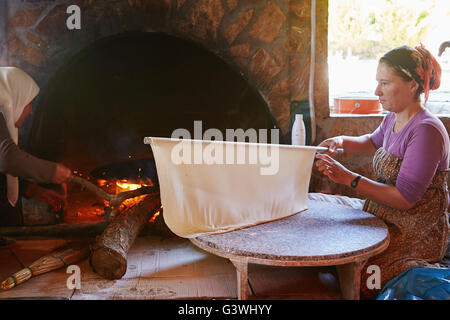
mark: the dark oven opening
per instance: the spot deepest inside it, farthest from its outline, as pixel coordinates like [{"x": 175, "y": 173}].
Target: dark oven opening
[{"x": 95, "y": 112}]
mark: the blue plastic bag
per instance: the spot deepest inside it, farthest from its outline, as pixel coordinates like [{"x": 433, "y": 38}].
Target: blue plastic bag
[{"x": 418, "y": 283}]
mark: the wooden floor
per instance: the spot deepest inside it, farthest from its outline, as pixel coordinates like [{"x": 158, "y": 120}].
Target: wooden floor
[{"x": 165, "y": 268}]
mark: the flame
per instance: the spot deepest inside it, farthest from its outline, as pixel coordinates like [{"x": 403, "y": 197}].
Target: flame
[
  {"x": 132, "y": 201},
  {"x": 123, "y": 184},
  {"x": 101, "y": 182},
  {"x": 154, "y": 216}
]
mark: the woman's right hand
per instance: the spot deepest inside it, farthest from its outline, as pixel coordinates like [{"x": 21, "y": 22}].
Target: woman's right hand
[
  {"x": 62, "y": 174},
  {"x": 332, "y": 144}
]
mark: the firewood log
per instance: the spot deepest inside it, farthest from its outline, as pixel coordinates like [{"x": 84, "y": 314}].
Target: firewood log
[
  {"x": 109, "y": 251},
  {"x": 114, "y": 199}
]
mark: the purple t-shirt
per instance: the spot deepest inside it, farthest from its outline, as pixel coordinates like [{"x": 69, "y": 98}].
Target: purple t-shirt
[{"x": 423, "y": 144}]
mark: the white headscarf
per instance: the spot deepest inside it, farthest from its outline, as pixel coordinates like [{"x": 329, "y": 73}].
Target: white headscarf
[{"x": 17, "y": 90}]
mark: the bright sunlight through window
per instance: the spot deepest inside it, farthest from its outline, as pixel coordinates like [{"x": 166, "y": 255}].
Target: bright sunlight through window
[{"x": 360, "y": 32}]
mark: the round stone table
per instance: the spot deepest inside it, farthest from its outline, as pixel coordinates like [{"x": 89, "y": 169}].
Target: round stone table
[{"x": 325, "y": 234}]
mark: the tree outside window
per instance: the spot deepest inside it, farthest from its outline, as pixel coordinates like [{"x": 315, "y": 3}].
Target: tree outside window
[{"x": 360, "y": 32}]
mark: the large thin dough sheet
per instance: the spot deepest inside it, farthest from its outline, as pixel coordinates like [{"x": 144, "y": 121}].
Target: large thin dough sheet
[{"x": 204, "y": 198}]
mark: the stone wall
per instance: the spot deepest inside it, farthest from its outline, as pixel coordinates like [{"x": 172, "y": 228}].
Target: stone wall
[{"x": 268, "y": 42}]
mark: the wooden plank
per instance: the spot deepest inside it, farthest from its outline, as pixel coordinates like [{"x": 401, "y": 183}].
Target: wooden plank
[
  {"x": 310, "y": 283},
  {"x": 163, "y": 268}
]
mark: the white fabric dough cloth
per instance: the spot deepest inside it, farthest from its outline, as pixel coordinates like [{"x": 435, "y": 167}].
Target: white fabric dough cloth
[{"x": 203, "y": 198}]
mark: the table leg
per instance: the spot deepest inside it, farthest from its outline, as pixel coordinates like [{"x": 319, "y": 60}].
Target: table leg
[
  {"x": 350, "y": 279},
  {"x": 242, "y": 278}
]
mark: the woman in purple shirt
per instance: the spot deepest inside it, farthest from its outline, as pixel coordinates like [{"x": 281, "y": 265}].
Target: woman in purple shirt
[{"x": 411, "y": 159}]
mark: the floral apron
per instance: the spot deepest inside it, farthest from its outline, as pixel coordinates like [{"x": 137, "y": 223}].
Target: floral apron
[{"x": 418, "y": 236}]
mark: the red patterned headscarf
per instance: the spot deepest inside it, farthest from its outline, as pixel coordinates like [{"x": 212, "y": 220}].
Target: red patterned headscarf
[{"x": 416, "y": 64}]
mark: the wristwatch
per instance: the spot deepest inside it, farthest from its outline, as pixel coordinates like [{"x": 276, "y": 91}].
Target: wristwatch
[{"x": 355, "y": 181}]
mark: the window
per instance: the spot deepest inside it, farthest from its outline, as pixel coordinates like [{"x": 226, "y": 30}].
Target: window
[{"x": 360, "y": 32}]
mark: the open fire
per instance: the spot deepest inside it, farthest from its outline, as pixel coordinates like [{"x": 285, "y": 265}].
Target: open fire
[
  {"x": 84, "y": 206},
  {"x": 122, "y": 186}
]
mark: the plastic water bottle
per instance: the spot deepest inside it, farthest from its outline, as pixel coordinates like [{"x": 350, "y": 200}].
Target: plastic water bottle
[{"x": 298, "y": 131}]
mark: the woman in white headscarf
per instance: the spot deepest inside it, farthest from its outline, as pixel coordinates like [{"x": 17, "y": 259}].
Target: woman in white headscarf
[{"x": 17, "y": 90}]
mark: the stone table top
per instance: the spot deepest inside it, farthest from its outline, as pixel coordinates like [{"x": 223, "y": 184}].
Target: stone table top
[{"x": 323, "y": 234}]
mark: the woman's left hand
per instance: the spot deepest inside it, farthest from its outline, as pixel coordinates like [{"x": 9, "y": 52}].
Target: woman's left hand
[
  {"x": 334, "y": 170},
  {"x": 56, "y": 200}
]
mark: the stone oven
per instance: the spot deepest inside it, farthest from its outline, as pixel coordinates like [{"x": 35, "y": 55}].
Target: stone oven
[{"x": 139, "y": 68}]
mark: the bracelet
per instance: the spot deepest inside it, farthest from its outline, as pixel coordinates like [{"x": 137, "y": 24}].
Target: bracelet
[{"x": 355, "y": 181}]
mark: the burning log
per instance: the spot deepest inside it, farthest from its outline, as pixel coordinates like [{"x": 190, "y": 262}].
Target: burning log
[
  {"x": 109, "y": 250},
  {"x": 114, "y": 199}
]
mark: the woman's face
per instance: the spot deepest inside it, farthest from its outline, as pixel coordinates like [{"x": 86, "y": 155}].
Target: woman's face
[
  {"x": 394, "y": 92},
  {"x": 25, "y": 113}
]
